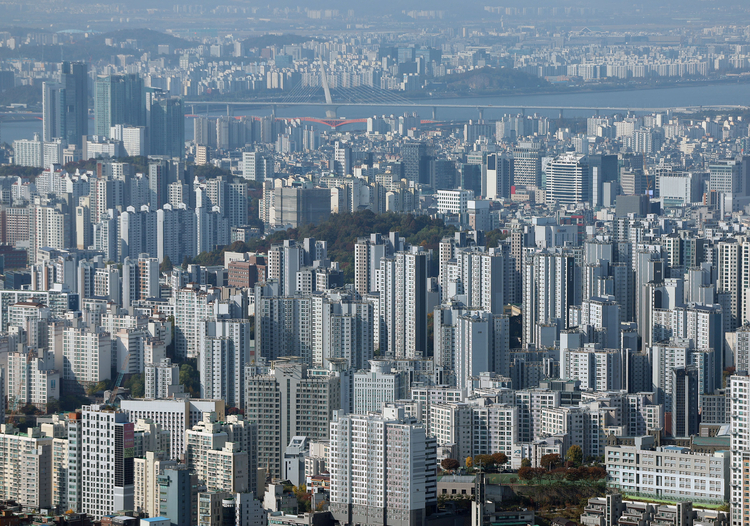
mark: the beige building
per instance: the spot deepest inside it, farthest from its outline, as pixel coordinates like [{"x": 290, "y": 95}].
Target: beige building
[{"x": 26, "y": 467}]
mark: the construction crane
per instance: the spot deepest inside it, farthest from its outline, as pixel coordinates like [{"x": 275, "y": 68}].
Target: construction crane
[{"x": 120, "y": 376}]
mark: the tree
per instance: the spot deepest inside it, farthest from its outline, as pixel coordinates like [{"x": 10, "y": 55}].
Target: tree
[
  {"x": 95, "y": 388},
  {"x": 526, "y": 473},
  {"x": 500, "y": 458},
  {"x": 53, "y": 406},
  {"x": 549, "y": 461},
  {"x": 525, "y": 463},
  {"x": 166, "y": 265},
  {"x": 575, "y": 454},
  {"x": 469, "y": 462},
  {"x": 449, "y": 464},
  {"x": 136, "y": 385},
  {"x": 189, "y": 378},
  {"x": 597, "y": 473},
  {"x": 483, "y": 461}
]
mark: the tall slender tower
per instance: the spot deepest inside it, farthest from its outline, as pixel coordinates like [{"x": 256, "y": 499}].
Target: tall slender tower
[{"x": 74, "y": 80}]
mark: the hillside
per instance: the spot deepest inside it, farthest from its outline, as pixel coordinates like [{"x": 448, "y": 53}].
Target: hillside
[
  {"x": 488, "y": 80},
  {"x": 341, "y": 231}
]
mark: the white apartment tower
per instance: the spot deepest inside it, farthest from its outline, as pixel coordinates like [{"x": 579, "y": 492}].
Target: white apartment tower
[
  {"x": 549, "y": 289},
  {"x": 378, "y": 386},
  {"x": 739, "y": 394},
  {"x": 224, "y": 351},
  {"x": 107, "y": 467},
  {"x": 403, "y": 304},
  {"x": 383, "y": 469},
  {"x": 161, "y": 379},
  {"x": 87, "y": 356}
]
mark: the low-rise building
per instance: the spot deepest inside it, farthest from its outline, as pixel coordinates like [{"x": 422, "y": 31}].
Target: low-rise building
[{"x": 669, "y": 472}]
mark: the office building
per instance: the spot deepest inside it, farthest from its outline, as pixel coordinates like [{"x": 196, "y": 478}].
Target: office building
[
  {"x": 175, "y": 415},
  {"x": 65, "y": 105},
  {"x": 118, "y": 99},
  {"x": 527, "y": 164},
  {"x": 376, "y": 387},
  {"x": 296, "y": 207},
  {"x": 165, "y": 118},
  {"x": 416, "y": 162},
  {"x": 500, "y": 176},
  {"x": 568, "y": 180},
  {"x": 342, "y": 159},
  {"x": 685, "y": 401},
  {"x": 175, "y": 491}
]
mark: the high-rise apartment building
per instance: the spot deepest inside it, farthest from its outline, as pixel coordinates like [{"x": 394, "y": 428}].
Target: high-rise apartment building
[
  {"x": 739, "y": 394},
  {"x": 549, "y": 289},
  {"x": 402, "y": 284},
  {"x": 224, "y": 350},
  {"x": 289, "y": 400},
  {"x": 105, "y": 463},
  {"x": 87, "y": 356},
  {"x": 223, "y": 454},
  {"x": 162, "y": 379},
  {"x": 26, "y": 467},
  {"x": 382, "y": 469}
]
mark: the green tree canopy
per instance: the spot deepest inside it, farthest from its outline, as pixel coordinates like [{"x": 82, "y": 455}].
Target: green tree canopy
[
  {"x": 166, "y": 265},
  {"x": 575, "y": 454},
  {"x": 190, "y": 379}
]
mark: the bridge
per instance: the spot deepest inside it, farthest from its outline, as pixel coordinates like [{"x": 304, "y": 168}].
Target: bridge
[
  {"x": 479, "y": 107},
  {"x": 370, "y": 96}
]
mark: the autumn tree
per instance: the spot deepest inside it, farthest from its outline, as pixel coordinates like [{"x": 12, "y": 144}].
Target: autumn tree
[
  {"x": 449, "y": 464},
  {"x": 500, "y": 458},
  {"x": 549, "y": 461},
  {"x": 484, "y": 461},
  {"x": 469, "y": 462},
  {"x": 526, "y": 473}
]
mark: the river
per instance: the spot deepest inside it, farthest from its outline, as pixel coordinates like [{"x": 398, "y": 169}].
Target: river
[{"x": 673, "y": 96}]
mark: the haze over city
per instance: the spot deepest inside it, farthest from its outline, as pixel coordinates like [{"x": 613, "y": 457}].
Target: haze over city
[{"x": 374, "y": 264}]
